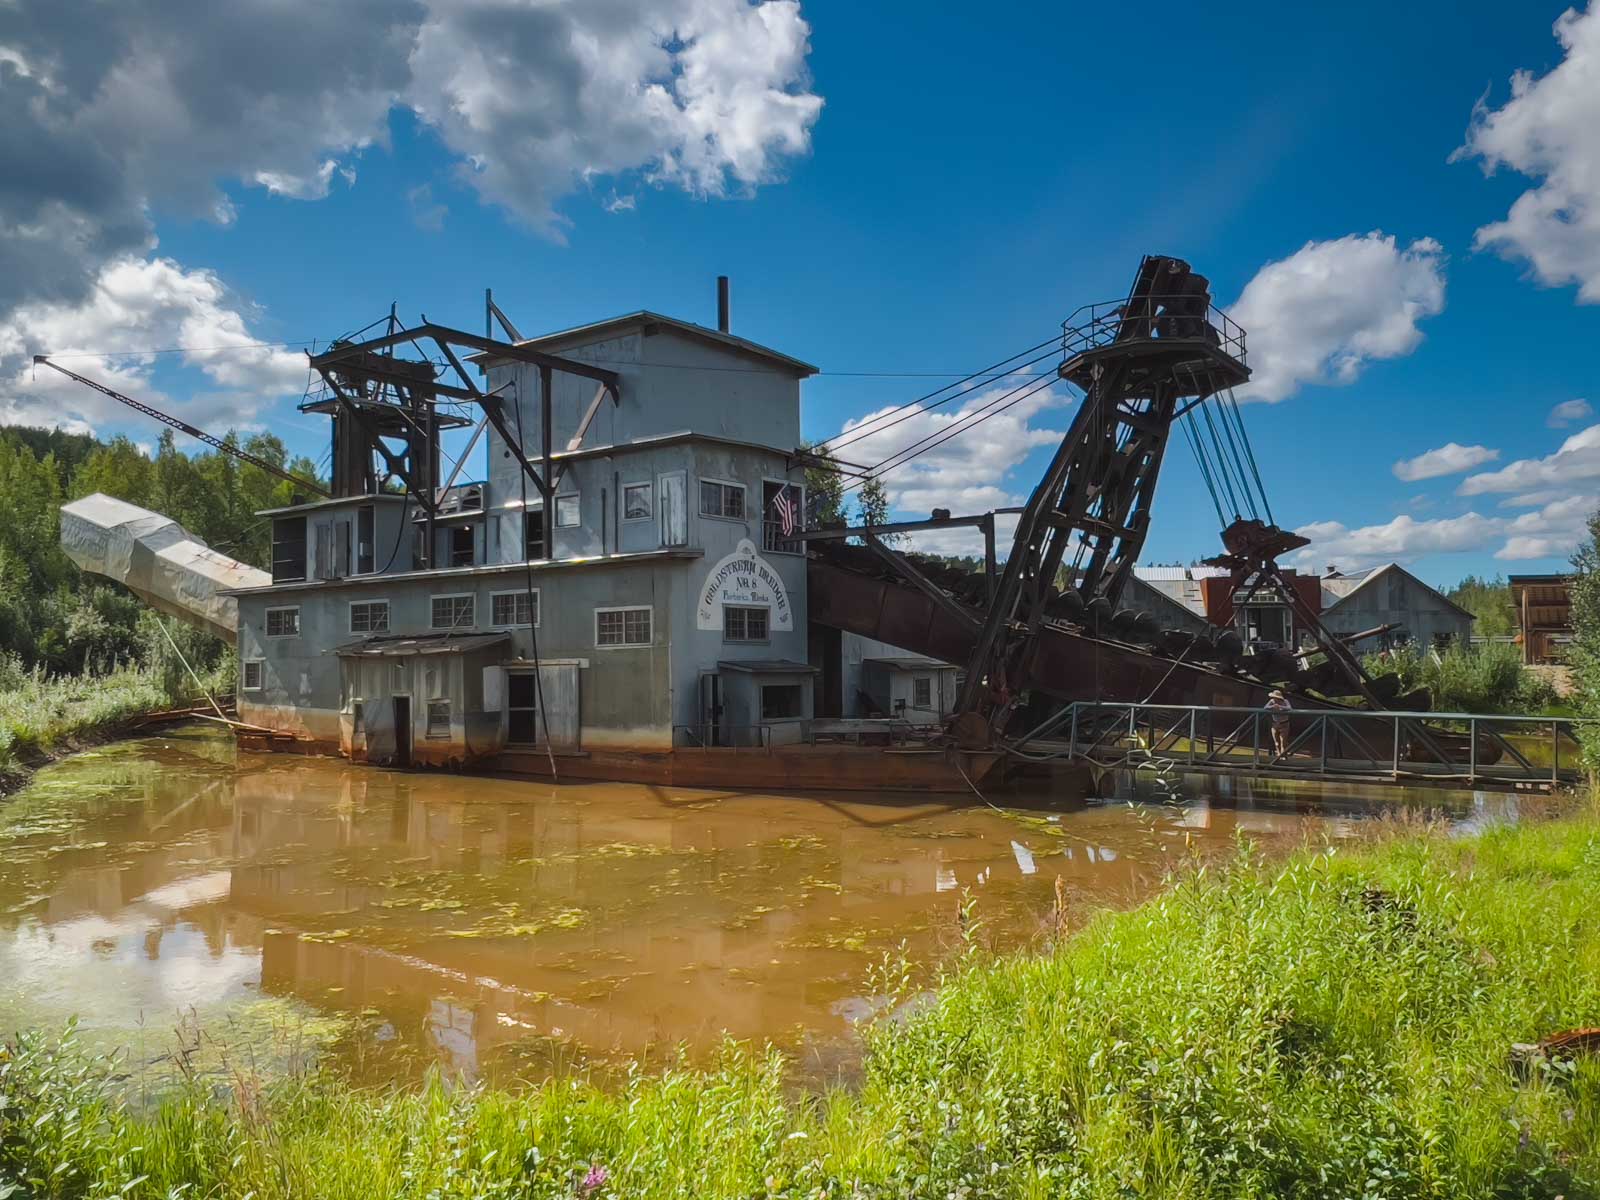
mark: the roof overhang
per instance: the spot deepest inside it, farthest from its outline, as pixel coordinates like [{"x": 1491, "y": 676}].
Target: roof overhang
[
  {"x": 406, "y": 645},
  {"x": 599, "y": 330}
]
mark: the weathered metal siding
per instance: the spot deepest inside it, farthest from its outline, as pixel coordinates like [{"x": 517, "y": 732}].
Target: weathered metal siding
[{"x": 1396, "y": 598}]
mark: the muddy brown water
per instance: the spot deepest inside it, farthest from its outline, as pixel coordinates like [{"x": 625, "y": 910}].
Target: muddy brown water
[{"x": 208, "y": 910}]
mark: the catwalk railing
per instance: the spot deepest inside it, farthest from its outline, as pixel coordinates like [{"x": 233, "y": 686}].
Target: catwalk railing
[{"x": 1455, "y": 749}]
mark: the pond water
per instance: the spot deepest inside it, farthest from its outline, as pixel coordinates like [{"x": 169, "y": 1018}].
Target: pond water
[{"x": 214, "y": 910}]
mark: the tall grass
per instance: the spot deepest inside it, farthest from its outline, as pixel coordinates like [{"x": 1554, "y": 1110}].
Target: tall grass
[
  {"x": 1337, "y": 1026},
  {"x": 39, "y": 712},
  {"x": 1485, "y": 679}
]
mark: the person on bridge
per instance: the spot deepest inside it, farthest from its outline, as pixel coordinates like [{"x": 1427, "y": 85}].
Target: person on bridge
[{"x": 1278, "y": 704}]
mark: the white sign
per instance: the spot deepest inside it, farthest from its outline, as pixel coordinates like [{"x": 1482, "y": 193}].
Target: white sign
[{"x": 744, "y": 578}]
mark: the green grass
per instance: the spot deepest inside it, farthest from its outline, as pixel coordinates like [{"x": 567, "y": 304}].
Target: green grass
[
  {"x": 40, "y": 712},
  {"x": 1337, "y": 1025}
]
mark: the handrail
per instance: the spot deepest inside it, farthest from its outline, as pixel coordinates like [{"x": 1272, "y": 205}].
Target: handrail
[
  {"x": 701, "y": 731},
  {"x": 1493, "y": 748},
  {"x": 1159, "y": 317}
]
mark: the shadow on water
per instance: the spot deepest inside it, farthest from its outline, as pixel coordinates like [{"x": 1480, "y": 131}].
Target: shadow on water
[{"x": 197, "y": 906}]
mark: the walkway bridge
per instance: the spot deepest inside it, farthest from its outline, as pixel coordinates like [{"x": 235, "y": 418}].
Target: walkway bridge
[{"x": 1455, "y": 750}]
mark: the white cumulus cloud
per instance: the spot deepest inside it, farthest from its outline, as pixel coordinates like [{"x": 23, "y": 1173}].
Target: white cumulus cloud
[
  {"x": 1552, "y": 531},
  {"x": 141, "y": 304},
  {"x": 1449, "y": 459},
  {"x": 1576, "y": 462},
  {"x": 153, "y": 107},
  {"x": 1546, "y": 131},
  {"x": 971, "y": 471},
  {"x": 1569, "y": 412},
  {"x": 1331, "y": 308}
]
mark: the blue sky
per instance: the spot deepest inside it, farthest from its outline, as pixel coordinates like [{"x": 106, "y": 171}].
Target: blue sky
[{"x": 971, "y": 177}]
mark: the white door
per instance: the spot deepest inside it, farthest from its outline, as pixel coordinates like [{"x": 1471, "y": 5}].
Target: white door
[{"x": 673, "y": 491}]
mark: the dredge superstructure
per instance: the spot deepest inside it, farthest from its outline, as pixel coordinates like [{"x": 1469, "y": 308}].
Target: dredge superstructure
[{"x": 631, "y": 591}]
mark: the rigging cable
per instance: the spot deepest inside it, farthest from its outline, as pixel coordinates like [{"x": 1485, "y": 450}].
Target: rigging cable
[
  {"x": 960, "y": 423},
  {"x": 881, "y": 422},
  {"x": 950, "y": 433},
  {"x": 1249, "y": 450}
]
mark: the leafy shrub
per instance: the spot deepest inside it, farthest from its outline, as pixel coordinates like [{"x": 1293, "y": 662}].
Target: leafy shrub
[{"x": 1485, "y": 679}]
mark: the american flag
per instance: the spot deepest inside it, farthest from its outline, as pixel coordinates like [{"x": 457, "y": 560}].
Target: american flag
[{"x": 788, "y": 516}]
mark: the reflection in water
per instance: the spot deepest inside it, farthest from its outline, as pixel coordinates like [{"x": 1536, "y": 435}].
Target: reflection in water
[{"x": 473, "y": 920}]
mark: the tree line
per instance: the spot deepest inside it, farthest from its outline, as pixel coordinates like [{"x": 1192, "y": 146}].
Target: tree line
[{"x": 53, "y": 616}]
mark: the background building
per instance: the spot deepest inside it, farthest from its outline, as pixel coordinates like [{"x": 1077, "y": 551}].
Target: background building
[
  {"x": 1391, "y": 595},
  {"x": 1543, "y": 607}
]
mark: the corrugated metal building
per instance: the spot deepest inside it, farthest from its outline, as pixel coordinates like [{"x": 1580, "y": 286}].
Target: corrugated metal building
[
  {"x": 1391, "y": 595},
  {"x": 668, "y": 610}
]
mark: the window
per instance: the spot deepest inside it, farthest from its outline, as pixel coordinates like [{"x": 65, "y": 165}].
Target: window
[
  {"x": 780, "y": 701},
  {"x": 780, "y": 500},
  {"x": 922, "y": 691},
  {"x": 253, "y": 668},
  {"x": 568, "y": 513},
  {"x": 533, "y": 533},
  {"x": 743, "y": 624},
  {"x": 454, "y": 612},
  {"x": 438, "y": 719},
  {"x": 283, "y": 622},
  {"x": 514, "y": 608},
  {"x": 369, "y": 616},
  {"x": 721, "y": 499},
  {"x": 366, "y": 535},
  {"x": 522, "y": 709},
  {"x": 622, "y": 627},
  {"x": 288, "y": 549},
  {"x": 636, "y": 502},
  {"x": 462, "y": 546}
]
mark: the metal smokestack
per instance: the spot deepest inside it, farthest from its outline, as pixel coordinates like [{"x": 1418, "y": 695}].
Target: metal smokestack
[{"x": 722, "y": 303}]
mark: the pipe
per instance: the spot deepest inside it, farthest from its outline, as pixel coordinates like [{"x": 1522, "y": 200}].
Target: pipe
[{"x": 722, "y": 304}]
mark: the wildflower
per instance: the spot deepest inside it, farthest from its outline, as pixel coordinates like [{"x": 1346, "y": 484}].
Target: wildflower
[{"x": 594, "y": 1180}]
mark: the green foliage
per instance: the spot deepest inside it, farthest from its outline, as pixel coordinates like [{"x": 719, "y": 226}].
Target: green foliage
[
  {"x": 1486, "y": 679},
  {"x": 1339, "y": 1026},
  {"x": 39, "y": 712},
  {"x": 1583, "y": 656},
  {"x": 51, "y": 615},
  {"x": 1488, "y": 600},
  {"x": 824, "y": 490}
]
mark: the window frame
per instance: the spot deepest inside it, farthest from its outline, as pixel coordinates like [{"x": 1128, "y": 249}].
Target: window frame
[
  {"x": 800, "y": 707},
  {"x": 577, "y": 521},
  {"x": 624, "y": 609},
  {"x": 537, "y": 609},
  {"x": 649, "y": 500},
  {"x": 745, "y": 610},
  {"x": 428, "y": 718},
  {"x": 918, "y": 682},
  {"x": 433, "y": 620},
  {"x": 533, "y": 521},
  {"x": 260, "y": 664},
  {"x": 366, "y": 552},
  {"x": 726, "y": 485},
  {"x": 451, "y": 552},
  {"x": 295, "y": 567},
  {"x": 350, "y": 615},
  {"x": 777, "y": 543},
  {"x": 266, "y": 622}
]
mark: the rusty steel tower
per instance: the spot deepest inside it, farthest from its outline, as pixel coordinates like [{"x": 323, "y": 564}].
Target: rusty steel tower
[{"x": 1141, "y": 363}]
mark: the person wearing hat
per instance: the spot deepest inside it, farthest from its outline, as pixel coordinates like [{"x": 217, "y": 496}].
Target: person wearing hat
[{"x": 1280, "y": 708}]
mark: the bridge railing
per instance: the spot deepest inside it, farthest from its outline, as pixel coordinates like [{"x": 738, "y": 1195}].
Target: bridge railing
[{"x": 1454, "y": 748}]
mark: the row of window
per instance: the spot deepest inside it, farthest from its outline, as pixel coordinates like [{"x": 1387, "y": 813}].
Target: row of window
[
  {"x": 520, "y": 609},
  {"x": 613, "y": 626}
]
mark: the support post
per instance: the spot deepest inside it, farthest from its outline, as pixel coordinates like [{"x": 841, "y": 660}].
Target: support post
[{"x": 546, "y": 427}]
